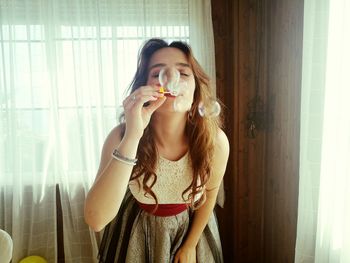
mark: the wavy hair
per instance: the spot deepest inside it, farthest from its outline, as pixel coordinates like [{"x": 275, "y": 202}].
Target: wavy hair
[{"x": 201, "y": 132}]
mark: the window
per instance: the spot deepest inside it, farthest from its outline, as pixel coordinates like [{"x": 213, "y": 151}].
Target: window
[{"x": 62, "y": 85}]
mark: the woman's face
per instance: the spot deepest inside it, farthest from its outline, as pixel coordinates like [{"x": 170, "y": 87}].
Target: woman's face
[{"x": 172, "y": 57}]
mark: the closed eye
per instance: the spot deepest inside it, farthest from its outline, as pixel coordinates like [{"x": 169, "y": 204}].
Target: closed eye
[{"x": 155, "y": 74}]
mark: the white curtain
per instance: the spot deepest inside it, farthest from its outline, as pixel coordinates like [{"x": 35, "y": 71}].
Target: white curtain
[
  {"x": 324, "y": 195},
  {"x": 64, "y": 66}
]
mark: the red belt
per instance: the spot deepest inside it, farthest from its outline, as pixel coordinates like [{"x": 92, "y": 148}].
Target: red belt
[{"x": 163, "y": 209}]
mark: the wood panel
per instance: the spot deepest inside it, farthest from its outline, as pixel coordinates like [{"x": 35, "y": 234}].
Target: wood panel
[
  {"x": 258, "y": 55},
  {"x": 285, "y": 30},
  {"x": 224, "y": 50},
  {"x": 235, "y": 25}
]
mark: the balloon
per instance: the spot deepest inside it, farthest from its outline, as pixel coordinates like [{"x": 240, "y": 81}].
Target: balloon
[{"x": 33, "y": 259}]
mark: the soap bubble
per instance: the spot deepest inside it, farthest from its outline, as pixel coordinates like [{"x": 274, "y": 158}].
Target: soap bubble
[
  {"x": 182, "y": 102},
  {"x": 209, "y": 109},
  {"x": 169, "y": 79}
]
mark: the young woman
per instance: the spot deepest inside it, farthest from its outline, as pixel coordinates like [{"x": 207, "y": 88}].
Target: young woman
[{"x": 160, "y": 169}]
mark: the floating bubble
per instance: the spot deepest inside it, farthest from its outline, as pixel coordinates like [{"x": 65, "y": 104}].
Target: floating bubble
[
  {"x": 180, "y": 104},
  {"x": 183, "y": 101},
  {"x": 210, "y": 109},
  {"x": 169, "y": 79}
]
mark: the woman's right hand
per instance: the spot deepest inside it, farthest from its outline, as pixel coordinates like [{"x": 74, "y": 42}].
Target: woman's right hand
[{"x": 137, "y": 116}]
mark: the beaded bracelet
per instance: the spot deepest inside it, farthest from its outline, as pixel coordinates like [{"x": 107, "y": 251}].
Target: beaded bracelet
[{"x": 118, "y": 156}]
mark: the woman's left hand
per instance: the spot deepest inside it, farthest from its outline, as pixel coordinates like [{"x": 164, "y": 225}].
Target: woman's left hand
[{"x": 185, "y": 255}]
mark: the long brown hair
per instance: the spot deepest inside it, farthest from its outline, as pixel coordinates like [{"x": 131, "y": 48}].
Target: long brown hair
[{"x": 201, "y": 132}]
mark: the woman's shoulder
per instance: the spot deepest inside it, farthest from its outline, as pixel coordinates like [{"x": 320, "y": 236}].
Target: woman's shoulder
[
  {"x": 221, "y": 150},
  {"x": 113, "y": 139},
  {"x": 116, "y": 134},
  {"x": 220, "y": 159},
  {"x": 221, "y": 142}
]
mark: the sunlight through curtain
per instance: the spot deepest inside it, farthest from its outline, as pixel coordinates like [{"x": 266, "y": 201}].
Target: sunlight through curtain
[
  {"x": 64, "y": 67},
  {"x": 324, "y": 195}
]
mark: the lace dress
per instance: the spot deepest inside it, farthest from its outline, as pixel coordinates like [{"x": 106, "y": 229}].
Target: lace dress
[{"x": 135, "y": 235}]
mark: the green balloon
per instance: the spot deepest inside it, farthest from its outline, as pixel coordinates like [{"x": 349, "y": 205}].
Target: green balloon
[{"x": 33, "y": 259}]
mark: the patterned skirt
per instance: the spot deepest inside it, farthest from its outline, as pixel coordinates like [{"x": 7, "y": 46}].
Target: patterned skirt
[{"x": 136, "y": 236}]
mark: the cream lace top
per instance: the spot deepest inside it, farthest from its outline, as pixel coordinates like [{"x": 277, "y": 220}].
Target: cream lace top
[{"x": 173, "y": 177}]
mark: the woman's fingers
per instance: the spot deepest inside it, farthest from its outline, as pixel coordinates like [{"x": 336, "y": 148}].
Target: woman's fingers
[
  {"x": 140, "y": 96},
  {"x": 156, "y": 104},
  {"x": 144, "y": 91},
  {"x": 137, "y": 102}
]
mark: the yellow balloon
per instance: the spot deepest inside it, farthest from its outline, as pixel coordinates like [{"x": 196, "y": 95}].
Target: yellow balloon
[{"x": 33, "y": 259}]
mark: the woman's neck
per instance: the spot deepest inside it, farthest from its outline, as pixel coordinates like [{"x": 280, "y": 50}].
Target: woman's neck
[{"x": 169, "y": 131}]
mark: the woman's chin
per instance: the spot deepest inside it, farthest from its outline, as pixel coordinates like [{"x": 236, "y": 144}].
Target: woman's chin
[{"x": 167, "y": 107}]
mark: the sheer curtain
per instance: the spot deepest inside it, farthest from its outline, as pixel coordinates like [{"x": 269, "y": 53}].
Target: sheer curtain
[
  {"x": 324, "y": 195},
  {"x": 64, "y": 67}
]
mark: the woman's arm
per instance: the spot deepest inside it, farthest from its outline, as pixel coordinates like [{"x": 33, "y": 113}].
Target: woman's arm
[
  {"x": 105, "y": 196},
  {"x": 201, "y": 216}
]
